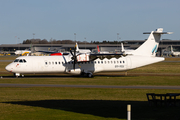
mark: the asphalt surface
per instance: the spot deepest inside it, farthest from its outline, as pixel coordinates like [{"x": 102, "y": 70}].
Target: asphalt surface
[
  {"x": 6, "y": 60},
  {"x": 88, "y": 86}
]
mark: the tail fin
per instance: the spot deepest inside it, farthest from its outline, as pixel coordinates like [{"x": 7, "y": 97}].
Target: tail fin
[
  {"x": 122, "y": 47},
  {"x": 77, "y": 48},
  {"x": 150, "y": 46},
  {"x": 98, "y": 48},
  {"x": 172, "y": 49}
]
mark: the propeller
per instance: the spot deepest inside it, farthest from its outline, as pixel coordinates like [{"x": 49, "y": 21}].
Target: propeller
[{"x": 74, "y": 56}]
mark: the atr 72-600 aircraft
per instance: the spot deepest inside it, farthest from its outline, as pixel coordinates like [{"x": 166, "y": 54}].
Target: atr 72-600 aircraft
[{"x": 89, "y": 63}]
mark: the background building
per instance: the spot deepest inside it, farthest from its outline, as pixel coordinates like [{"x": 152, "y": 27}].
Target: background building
[{"x": 112, "y": 48}]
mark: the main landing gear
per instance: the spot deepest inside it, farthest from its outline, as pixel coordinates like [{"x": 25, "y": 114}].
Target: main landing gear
[{"x": 89, "y": 75}]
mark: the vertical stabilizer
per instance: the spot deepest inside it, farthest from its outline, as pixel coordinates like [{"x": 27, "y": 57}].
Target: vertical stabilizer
[
  {"x": 172, "y": 49},
  {"x": 98, "y": 49},
  {"x": 122, "y": 48},
  {"x": 150, "y": 46},
  {"x": 77, "y": 48}
]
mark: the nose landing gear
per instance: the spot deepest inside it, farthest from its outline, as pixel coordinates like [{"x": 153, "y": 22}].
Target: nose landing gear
[{"x": 16, "y": 75}]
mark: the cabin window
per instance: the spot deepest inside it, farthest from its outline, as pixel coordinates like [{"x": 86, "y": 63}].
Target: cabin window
[
  {"x": 114, "y": 62},
  {"x": 46, "y": 63},
  {"x": 16, "y": 60},
  {"x": 105, "y": 62},
  {"x": 95, "y": 62},
  {"x": 49, "y": 62},
  {"x": 102, "y": 62},
  {"x": 120, "y": 61},
  {"x": 55, "y": 62},
  {"x": 108, "y": 62},
  {"x": 98, "y": 62},
  {"x": 59, "y": 62},
  {"x": 117, "y": 61},
  {"x": 92, "y": 62},
  {"x": 123, "y": 62},
  {"x": 62, "y": 62},
  {"x": 111, "y": 61}
]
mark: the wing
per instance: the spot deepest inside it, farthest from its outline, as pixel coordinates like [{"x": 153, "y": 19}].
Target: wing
[
  {"x": 107, "y": 55},
  {"x": 47, "y": 52}
]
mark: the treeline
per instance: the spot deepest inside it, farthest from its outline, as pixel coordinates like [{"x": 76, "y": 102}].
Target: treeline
[{"x": 44, "y": 41}]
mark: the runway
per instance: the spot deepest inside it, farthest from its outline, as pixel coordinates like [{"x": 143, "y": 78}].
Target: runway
[
  {"x": 88, "y": 86},
  {"x": 6, "y": 60}
]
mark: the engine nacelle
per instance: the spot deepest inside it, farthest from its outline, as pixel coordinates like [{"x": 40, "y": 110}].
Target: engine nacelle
[
  {"x": 74, "y": 71},
  {"x": 83, "y": 57}
]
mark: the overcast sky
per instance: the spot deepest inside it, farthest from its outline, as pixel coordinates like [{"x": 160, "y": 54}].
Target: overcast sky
[{"x": 95, "y": 20}]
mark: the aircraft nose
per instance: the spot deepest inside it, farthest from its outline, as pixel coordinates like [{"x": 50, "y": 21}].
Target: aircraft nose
[{"x": 8, "y": 68}]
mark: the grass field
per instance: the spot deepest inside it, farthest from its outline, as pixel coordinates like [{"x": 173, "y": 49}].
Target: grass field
[{"x": 90, "y": 103}]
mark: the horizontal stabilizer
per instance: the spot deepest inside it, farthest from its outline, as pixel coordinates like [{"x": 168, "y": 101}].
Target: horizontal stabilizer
[{"x": 158, "y": 32}]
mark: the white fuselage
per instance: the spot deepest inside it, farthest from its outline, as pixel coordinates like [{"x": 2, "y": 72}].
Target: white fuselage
[
  {"x": 175, "y": 53},
  {"x": 64, "y": 64},
  {"x": 20, "y": 52}
]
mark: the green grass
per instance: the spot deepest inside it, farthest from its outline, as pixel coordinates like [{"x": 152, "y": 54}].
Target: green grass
[
  {"x": 8, "y": 57},
  {"x": 162, "y": 67},
  {"x": 54, "y": 103},
  {"x": 3, "y": 65},
  {"x": 80, "y": 103}
]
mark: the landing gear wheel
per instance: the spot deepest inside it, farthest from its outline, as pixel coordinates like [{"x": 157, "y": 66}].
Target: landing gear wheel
[
  {"x": 16, "y": 75},
  {"x": 89, "y": 75}
]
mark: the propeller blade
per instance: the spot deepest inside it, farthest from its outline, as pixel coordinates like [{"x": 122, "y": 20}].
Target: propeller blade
[
  {"x": 75, "y": 57},
  {"x": 74, "y": 65},
  {"x": 75, "y": 50},
  {"x": 71, "y": 52}
]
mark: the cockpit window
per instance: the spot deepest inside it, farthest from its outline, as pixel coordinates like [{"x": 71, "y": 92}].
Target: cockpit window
[
  {"x": 16, "y": 60},
  {"x": 20, "y": 60}
]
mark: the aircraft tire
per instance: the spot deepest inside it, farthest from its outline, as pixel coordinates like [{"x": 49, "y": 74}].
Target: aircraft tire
[{"x": 89, "y": 75}]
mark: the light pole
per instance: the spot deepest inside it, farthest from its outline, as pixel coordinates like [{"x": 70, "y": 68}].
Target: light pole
[
  {"x": 85, "y": 42},
  {"x": 19, "y": 41},
  {"x": 33, "y": 35},
  {"x": 75, "y": 37},
  {"x": 117, "y": 40}
]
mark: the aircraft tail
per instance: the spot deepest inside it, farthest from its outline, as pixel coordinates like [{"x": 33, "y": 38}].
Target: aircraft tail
[
  {"x": 98, "y": 48},
  {"x": 77, "y": 48},
  {"x": 172, "y": 49},
  {"x": 150, "y": 46},
  {"x": 122, "y": 47}
]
